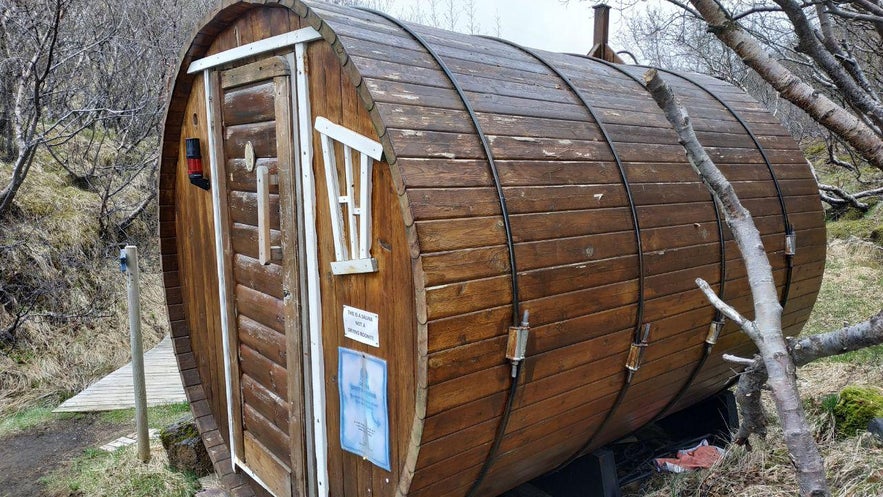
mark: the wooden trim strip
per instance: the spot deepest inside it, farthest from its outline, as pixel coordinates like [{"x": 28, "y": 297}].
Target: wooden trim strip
[
  {"x": 212, "y": 108},
  {"x": 249, "y": 50}
]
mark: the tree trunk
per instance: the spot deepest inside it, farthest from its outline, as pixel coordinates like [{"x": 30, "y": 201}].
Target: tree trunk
[
  {"x": 841, "y": 122},
  {"x": 23, "y": 162},
  {"x": 766, "y": 329}
]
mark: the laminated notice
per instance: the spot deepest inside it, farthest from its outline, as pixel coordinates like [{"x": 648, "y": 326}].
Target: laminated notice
[{"x": 364, "y": 415}]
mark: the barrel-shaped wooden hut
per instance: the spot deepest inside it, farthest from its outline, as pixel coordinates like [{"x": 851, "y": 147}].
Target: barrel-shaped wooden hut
[{"x": 365, "y": 224}]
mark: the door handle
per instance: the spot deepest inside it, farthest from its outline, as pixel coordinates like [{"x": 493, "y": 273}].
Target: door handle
[{"x": 263, "y": 191}]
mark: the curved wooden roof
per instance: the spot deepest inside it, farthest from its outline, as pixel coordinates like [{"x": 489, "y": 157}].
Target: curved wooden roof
[{"x": 564, "y": 167}]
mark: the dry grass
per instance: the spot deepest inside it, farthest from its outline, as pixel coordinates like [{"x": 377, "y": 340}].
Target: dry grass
[
  {"x": 850, "y": 293},
  {"x": 854, "y": 465},
  {"x": 77, "y": 330}
]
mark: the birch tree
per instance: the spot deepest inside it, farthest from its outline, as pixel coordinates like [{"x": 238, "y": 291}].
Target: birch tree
[
  {"x": 778, "y": 357},
  {"x": 824, "y": 58}
]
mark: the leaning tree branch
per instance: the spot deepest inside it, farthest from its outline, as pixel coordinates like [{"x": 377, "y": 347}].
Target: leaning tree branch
[
  {"x": 726, "y": 309},
  {"x": 824, "y": 111},
  {"x": 810, "y": 45},
  {"x": 845, "y": 198},
  {"x": 766, "y": 328}
]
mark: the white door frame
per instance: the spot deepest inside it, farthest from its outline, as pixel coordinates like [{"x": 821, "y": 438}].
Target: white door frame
[{"x": 314, "y": 372}]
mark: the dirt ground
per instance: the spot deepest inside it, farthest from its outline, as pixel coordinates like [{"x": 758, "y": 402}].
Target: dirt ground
[{"x": 27, "y": 456}]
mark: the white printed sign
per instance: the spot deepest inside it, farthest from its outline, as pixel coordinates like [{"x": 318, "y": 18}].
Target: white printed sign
[{"x": 361, "y": 326}]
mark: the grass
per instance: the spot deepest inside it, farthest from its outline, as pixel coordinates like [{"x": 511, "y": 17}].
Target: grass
[
  {"x": 28, "y": 418},
  {"x": 96, "y": 473},
  {"x": 854, "y": 464},
  {"x": 51, "y": 257},
  {"x": 850, "y": 293},
  {"x": 157, "y": 417},
  {"x": 120, "y": 474}
]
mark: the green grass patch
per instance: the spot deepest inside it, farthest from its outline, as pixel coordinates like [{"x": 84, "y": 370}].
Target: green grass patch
[
  {"x": 850, "y": 293},
  {"x": 29, "y": 418},
  {"x": 120, "y": 474},
  {"x": 866, "y": 226},
  {"x": 157, "y": 417}
]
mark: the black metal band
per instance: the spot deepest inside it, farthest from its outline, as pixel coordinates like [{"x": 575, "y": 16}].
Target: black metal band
[
  {"x": 718, "y": 315},
  {"x": 516, "y": 312},
  {"x": 789, "y": 230},
  {"x": 622, "y": 174},
  {"x": 636, "y": 223}
]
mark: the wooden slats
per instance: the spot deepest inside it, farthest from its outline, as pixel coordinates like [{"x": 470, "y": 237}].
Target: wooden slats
[
  {"x": 250, "y": 104},
  {"x": 271, "y": 436},
  {"x": 448, "y": 309},
  {"x": 266, "y": 341},
  {"x": 268, "y": 404},
  {"x": 270, "y": 375},
  {"x": 263, "y": 278},
  {"x": 263, "y": 462}
]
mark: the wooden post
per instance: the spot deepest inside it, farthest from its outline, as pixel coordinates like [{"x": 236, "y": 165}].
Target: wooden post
[{"x": 134, "y": 293}]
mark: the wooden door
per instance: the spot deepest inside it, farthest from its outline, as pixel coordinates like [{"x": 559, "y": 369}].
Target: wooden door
[{"x": 261, "y": 262}]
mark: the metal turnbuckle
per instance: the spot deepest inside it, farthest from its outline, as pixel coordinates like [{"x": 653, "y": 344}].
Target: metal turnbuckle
[
  {"x": 517, "y": 344},
  {"x": 714, "y": 331},
  {"x": 636, "y": 351}
]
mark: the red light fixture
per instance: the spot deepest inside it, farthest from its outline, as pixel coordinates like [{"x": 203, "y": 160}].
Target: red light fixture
[{"x": 194, "y": 163}]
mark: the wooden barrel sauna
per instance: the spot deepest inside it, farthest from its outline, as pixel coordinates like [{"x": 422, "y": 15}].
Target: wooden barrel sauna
[{"x": 357, "y": 214}]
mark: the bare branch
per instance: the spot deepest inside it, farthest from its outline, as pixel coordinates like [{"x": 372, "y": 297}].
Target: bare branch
[
  {"x": 742, "y": 361},
  {"x": 821, "y": 108},
  {"x": 766, "y": 329},
  {"x": 847, "y": 339},
  {"x": 723, "y": 307}
]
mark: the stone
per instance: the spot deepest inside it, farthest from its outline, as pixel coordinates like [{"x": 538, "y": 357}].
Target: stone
[
  {"x": 876, "y": 427},
  {"x": 185, "y": 448}
]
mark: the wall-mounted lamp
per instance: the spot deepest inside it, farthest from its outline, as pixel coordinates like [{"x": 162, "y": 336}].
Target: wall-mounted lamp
[{"x": 194, "y": 163}]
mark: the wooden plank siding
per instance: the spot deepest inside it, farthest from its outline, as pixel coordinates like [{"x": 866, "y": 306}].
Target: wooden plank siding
[{"x": 443, "y": 286}]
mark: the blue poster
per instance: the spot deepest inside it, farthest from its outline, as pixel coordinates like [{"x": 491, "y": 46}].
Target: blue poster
[{"x": 364, "y": 416}]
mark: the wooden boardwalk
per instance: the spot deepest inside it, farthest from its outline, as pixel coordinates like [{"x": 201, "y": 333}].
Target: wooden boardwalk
[{"x": 115, "y": 391}]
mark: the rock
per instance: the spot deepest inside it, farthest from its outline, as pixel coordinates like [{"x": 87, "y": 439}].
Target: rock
[
  {"x": 876, "y": 427},
  {"x": 185, "y": 448}
]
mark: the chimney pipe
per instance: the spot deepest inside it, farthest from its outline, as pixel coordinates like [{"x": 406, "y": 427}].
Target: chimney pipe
[{"x": 600, "y": 47}]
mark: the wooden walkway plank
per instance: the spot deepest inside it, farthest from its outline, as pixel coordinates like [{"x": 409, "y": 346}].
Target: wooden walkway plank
[{"x": 115, "y": 391}]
